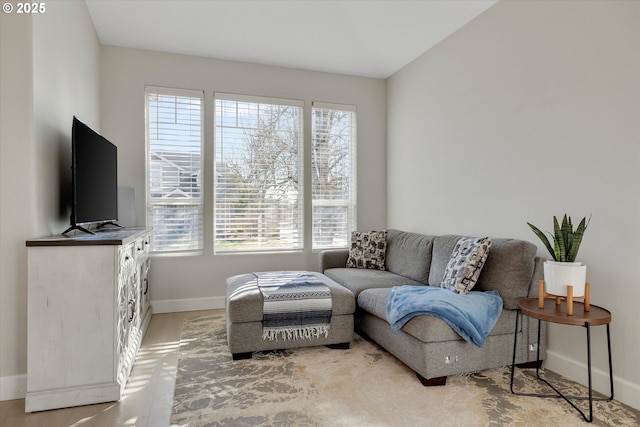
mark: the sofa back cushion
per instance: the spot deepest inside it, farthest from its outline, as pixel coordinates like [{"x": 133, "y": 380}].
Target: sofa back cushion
[
  {"x": 508, "y": 268},
  {"x": 409, "y": 254},
  {"x": 442, "y": 250}
]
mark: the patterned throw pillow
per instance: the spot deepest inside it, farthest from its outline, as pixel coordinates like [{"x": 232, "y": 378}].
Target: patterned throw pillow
[
  {"x": 465, "y": 264},
  {"x": 368, "y": 250}
]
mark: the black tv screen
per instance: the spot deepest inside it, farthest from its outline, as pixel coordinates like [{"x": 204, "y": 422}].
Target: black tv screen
[{"x": 94, "y": 172}]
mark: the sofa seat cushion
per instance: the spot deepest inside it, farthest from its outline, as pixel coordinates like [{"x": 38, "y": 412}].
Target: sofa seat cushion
[
  {"x": 359, "y": 279},
  {"x": 244, "y": 300},
  {"x": 426, "y": 328},
  {"x": 508, "y": 268}
]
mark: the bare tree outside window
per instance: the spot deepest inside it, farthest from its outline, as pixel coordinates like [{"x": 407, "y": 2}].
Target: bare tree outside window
[
  {"x": 333, "y": 175},
  {"x": 258, "y": 188}
]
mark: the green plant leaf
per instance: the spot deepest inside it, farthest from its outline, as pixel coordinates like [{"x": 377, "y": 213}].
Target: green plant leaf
[
  {"x": 560, "y": 237},
  {"x": 577, "y": 239},
  {"x": 566, "y": 240},
  {"x": 569, "y": 237},
  {"x": 543, "y": 238}
]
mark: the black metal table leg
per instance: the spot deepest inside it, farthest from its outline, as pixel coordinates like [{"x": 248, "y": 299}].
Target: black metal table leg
[
  {"x": 586, "y": 325},
  {"x": 610, "y": 363},
  {"x": 513, "y": 359}
]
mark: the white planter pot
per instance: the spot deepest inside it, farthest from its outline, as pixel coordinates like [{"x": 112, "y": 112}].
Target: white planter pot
[{"x": 558, "y": 275}]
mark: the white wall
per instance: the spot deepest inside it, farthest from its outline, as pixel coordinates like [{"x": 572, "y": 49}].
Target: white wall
[
  {"x": 50, "y": 71},
  {"x": 530, "y": 111},
  {"x": 16, "y": 204},
  {"x": 182, "y": 283},
  {"x": 66, "y": 82}
]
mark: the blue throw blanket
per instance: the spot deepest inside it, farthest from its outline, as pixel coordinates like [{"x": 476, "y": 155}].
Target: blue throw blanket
[{"x": 472, "y": 315}]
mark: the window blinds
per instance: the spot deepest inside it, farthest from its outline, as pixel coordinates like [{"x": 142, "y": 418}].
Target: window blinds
[
  {"x": 174, "y": 169},
  {"x": 333, "y": 164},
  {"x": 258, "y": 202}
]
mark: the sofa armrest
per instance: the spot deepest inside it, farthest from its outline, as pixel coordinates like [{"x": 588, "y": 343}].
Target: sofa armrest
[
  {"x": 538, "y": 274},
  {"x": 333, "y": 258}
]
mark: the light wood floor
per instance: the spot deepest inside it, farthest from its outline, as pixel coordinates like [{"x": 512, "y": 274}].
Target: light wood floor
[{"x": 147, "y": 398}]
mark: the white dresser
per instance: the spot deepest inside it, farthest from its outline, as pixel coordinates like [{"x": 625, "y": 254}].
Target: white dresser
[{"x": 88, "y": 309}]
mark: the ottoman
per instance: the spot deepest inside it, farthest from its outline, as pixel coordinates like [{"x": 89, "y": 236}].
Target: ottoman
[{"x": 244, "y": 318}]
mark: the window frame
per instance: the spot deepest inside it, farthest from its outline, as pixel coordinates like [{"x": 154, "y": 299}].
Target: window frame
[
  {"x": 351, "y": 201},
  {"x": 298, "y": 233},
  {"x": 150, "y": 201}
]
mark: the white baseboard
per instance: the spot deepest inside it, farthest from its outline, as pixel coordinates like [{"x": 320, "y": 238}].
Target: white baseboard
[
  {"x": 72, "y": 396},
  {"x": 187, "y": 304},
  {"x": 623, "y": 390},
  {"x": 13, "y": 387}
]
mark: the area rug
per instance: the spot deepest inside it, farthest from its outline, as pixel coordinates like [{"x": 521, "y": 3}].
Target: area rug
[{"x": 362, "y": 386}]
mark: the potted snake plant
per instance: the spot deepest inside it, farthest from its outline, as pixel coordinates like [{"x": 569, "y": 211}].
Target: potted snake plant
[{"x": 564, "y": 270}]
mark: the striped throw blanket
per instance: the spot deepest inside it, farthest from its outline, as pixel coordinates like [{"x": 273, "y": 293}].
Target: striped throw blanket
[{"x": 296, "y": 305}]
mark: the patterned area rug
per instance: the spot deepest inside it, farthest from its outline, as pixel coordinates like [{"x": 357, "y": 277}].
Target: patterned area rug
[{"x": 362, "y": 386}]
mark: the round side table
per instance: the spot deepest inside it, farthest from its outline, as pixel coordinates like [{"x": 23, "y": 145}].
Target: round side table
[{"x": 557, "y": 313}]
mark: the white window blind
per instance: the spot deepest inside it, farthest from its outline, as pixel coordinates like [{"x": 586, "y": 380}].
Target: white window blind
[
  {"x": 333, "y": 164},
  {"x": 258, "y": 202},
  {"x": 174, "y": 170}
]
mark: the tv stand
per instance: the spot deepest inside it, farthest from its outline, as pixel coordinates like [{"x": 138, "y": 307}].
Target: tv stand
[
  {"x": 77, "y": 227},
  {"x": 86, "y": 230},
  {"x": 104, "y": 224}
]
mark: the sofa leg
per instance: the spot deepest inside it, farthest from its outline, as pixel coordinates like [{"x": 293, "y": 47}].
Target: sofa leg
[
  {"x": 432, "y": 381},
  {"x": 241, "y": 356},
  {"x": 340, "y": 346},
  {"x": 528, "y": 365}
]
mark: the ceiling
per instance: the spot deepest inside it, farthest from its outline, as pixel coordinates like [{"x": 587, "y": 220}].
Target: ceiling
[{"x": 356, "y": 37}]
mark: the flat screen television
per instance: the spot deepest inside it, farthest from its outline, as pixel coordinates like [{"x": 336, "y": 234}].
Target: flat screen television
[{"x": 94, "y": 179}]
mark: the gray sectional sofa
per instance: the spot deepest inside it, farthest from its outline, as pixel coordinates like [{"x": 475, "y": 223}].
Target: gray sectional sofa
[{"x": 427, "y": 344}]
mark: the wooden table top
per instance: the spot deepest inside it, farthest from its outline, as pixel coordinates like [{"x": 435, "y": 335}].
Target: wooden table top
[{"x": 558, "y": 313}]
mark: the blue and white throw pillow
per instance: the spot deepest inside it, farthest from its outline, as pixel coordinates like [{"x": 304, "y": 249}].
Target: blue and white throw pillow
[{"x": 466, "y": 262}]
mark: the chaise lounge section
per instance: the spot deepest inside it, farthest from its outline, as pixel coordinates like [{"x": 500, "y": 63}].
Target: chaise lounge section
[{"x": 427, "y": 344}]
